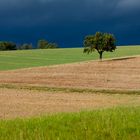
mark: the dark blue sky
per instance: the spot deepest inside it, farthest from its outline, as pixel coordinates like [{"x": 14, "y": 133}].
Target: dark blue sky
[{"x": 67, "y": 22}]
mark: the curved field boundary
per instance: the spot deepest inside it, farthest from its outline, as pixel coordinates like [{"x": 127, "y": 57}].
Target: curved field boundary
[
  {"x": 10, "y": 60},
  {"x": 107, "y": 75},
  {"x": 84, "y": 61}
]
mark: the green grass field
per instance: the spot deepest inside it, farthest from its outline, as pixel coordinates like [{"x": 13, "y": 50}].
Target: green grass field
[
  {"x": 120, "y": 123},
  {"x": 33, "y": 58},
  {"x": 105, "y": 124}
]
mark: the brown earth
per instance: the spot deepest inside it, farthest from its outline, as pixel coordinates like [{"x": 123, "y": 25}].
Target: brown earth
[
  {"x": 120, "y": 74},
  {"x": 25, "y": 103}
]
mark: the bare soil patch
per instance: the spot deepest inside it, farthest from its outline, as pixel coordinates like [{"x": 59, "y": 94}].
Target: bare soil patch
[
  {"x": 120, "y": 74},
  {"x": 25, "y": 103}
]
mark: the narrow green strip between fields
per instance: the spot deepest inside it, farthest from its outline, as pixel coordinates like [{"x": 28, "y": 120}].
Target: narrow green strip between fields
[{"x": 69, "y": 90}]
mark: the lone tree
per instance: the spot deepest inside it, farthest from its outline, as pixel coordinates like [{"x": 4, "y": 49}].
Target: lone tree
[{"x": 101, "y": 42}]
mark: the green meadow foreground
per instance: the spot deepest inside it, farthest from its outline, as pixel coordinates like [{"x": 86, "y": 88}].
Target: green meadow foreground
[
  {"x": 108, "y": 124},
  {"x": 34, "y": 58},
  {"x": 89, "y": 100}
]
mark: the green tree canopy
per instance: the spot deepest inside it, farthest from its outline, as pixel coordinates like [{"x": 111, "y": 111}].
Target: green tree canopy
[
  {"x": 25, "y": 46},
  {"x": 42, "y": 44},
  {"x": 100, "y": 42},
  {"x": 4, "y": 45},
  {"x": 52, "y": 46}
]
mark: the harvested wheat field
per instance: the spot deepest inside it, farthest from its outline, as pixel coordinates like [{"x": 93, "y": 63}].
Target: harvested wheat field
[
  {"x": 118, "y": 75},
  {"x": 115, "y": 74},
  {"x": 25, "y": 103}
]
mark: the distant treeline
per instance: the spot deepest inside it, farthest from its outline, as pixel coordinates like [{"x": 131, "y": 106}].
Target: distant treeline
[{"x": 42, "y": 44}]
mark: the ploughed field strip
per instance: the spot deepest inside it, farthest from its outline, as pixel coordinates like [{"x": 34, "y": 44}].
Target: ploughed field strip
[
  {"x": 118, "y": 75},
  {"x": 26, "y": 103}
]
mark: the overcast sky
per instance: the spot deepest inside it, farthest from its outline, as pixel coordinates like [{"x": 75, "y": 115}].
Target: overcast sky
[{"x": 66, "y": 22}]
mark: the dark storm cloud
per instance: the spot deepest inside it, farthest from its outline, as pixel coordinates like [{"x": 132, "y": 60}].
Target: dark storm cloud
[{"x": 68, "y": 21}]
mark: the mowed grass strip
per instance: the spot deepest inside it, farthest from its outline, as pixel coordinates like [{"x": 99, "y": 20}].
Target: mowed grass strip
[
  {"x": 111, "y": 124},
  {"x": 33, "y": 58},
  {"x": 70, "y": 90}
]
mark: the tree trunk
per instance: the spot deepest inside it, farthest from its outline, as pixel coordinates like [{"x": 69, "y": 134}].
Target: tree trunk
[{"x": 101, "y": 55}]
